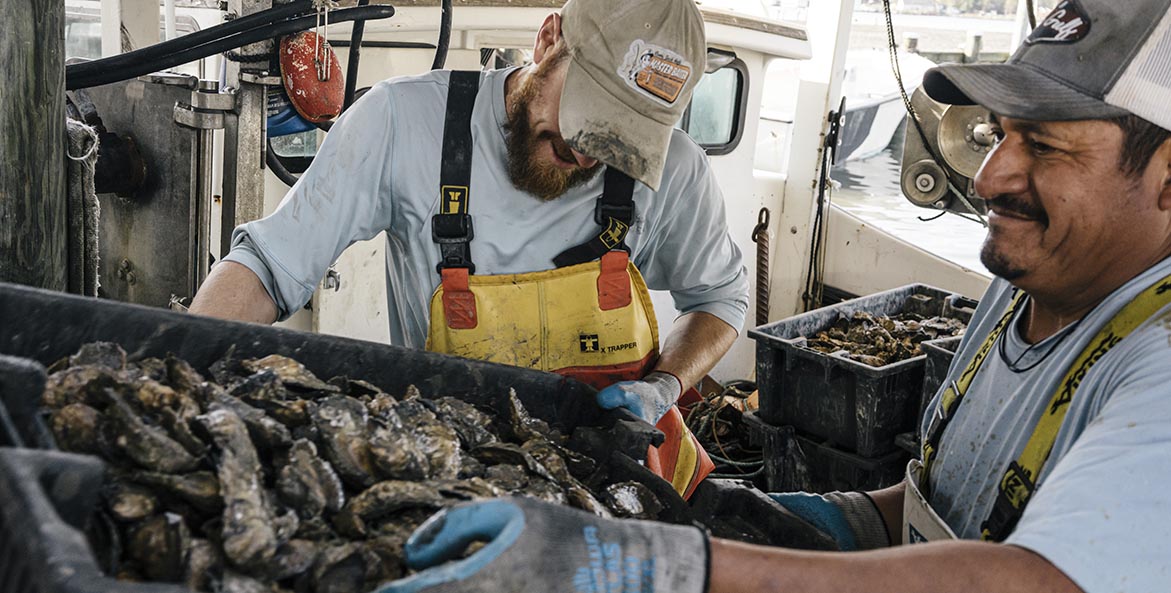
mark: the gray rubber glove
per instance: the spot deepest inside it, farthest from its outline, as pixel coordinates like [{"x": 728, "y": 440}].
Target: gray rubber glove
[
  {"x": 649, "y": 398},
  {"x": 849, "y": 518},
  {"x": 539, "y": 547}
]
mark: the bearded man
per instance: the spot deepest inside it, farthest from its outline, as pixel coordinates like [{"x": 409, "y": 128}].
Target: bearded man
[{"x": 523, "y": 210}]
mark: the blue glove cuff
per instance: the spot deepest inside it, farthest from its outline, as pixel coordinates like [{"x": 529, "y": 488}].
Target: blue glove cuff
[{"x": 826, "y": 516}]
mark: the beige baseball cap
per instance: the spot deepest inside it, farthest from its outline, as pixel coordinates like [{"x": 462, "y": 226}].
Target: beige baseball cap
[{"x": 632, "y": 68}]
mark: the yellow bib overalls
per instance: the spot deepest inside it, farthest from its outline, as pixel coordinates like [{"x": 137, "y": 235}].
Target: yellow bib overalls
[{"x": 591, "y": 318}]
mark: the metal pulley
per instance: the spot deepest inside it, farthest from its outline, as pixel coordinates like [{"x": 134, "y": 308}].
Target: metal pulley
[
  {"x": 924, "y": 183},
  {"x": 965, "y": 138}
]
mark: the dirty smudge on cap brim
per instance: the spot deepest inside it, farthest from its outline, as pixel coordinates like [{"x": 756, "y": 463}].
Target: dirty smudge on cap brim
[{"x": 596, "y": 123}]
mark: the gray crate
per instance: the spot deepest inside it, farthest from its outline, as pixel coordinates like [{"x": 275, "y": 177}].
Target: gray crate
[
  {"x": 794, "y": 462},
  {"x": 939, "y": 356},
  {"x": 853, "y": 406}
]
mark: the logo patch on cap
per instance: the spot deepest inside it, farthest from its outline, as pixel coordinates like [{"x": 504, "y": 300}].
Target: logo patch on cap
[
  {"x": 654, "y": 70},
  {"x": 1066, "y": 24}
]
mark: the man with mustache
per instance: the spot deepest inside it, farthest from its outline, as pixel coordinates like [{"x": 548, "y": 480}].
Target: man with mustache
[
  {"x": 1046, "y": 463},
  {"x": 523, "y": 209}
]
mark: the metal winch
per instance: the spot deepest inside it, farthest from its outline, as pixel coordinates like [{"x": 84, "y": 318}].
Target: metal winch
[{"x": 939, "y": 165}]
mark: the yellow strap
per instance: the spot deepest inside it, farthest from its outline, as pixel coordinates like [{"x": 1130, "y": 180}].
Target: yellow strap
[
  {"x": 955, "y": 391},
  {"x": 1019, "y": 480},
  {"x": 685, "y": 463},
  {"x": 1018, "y": 491}
]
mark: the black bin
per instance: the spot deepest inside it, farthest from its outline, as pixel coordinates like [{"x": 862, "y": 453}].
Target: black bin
[
  {"x": 46, "y": 497},
  {"x": 43, "y": 548},
  {"x": 42, "y": 327},
  {"x": 794, "y": 462},
  {"x": 856, "y": 407},
  {"x": 939, "y": 356}
]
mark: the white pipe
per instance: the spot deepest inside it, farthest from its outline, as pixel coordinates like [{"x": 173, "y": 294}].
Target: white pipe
[
  {"x": 169, "y": 18},
  {"x": 1022, "y": 29}
]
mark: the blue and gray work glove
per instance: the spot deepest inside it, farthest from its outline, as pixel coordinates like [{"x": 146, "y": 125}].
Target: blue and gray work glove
[
  {"x": 539, "y": 547},
  {"x": 849, "y": 518},
  {"x": 649, "y": 398}
]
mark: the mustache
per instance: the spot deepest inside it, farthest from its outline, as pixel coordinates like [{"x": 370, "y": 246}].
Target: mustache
[{"x": 1015, "y": 205}]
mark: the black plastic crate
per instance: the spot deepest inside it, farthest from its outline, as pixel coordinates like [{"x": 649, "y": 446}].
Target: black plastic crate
[
  {"x": 939, "y": 356},
  {"x": 798, "y": 463},
  {"x": 857, "y": 407},
  {"x": 39, "y": 327},
  {"x": 45, "y": 326},
  {"x": 19, "y": 379}
]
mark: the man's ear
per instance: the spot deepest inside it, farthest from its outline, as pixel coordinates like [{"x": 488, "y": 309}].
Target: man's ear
[
  {"x": 547, "y": 37},
  {"x": 1163, "y": 157}
]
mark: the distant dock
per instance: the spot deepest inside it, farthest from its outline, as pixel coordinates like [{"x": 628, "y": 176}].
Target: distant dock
[{"x": 938, "y": 38}]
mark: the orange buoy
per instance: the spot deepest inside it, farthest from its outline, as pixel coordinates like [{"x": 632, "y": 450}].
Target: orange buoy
[{"x": 314, "y": 84}]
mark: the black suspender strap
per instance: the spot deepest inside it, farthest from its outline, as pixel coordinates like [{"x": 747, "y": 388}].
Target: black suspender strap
[
  {"x": 452, "y": 228},
  {"x": 614, "y": 213}
]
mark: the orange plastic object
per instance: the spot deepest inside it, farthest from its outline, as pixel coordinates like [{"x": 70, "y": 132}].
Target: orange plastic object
[{"x": 315, "y": 99}]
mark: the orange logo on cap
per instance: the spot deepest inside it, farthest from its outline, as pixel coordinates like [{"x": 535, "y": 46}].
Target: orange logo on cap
[{"x": 662, "y": 78}]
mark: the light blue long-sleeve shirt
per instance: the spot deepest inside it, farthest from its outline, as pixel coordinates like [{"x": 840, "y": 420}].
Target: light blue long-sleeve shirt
[{"x": 378, "y": 169}]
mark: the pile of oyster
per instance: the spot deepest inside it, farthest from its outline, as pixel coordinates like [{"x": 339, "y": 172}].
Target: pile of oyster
[
  {"x": 270, "y": 479},
  {"x": 879, "y": 340}
]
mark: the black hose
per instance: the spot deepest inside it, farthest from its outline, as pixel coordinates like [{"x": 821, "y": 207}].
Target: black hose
[
  {"x": 232, "y": 27},
  {"x": 107, "y": 75},
  {"x": 387, "y": 44},
  {"x": 352, "y": 63},
  {"x": 444, "y": 37},
  {"x": 278, "y": 168}
]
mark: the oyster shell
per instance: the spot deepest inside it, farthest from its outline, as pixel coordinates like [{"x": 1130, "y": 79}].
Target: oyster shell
[
  {"x": 631, "y": 499},
  {"x": 292, "y": 373},
  {"x": 159, "y": 545},
  {"x": 307, "y": 482},
  {"x": 76, "y": 428},
  {"x": 200, "y": 489},
  {"x": 148, "y": 446},
  {"x": 129, "y": 502},
  {"x": 102, "y": 354},
  {"x": 341, "y": 421},
  {"x": 249, "y": 540}
]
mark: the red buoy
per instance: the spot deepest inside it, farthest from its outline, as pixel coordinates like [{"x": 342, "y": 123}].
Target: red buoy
[{"x": 315, "y": 84}]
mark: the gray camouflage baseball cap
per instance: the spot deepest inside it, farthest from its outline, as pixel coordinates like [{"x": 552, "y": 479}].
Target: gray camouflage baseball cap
[
  {"x": 633, "y": 65},
  {"x": 1088, "y": 59}
]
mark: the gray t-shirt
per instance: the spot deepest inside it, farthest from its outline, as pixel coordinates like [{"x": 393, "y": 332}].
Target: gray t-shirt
[
  {"x": 378, "y": 169},
  {"x": 1102, "y": 511}
]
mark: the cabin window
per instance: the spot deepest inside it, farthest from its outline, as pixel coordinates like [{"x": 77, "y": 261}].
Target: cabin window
[
  {"x": 295, "y": 150},
  {"x": 715, "y": 117}
]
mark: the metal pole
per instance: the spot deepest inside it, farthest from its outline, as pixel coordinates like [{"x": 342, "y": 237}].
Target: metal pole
[
  {"x": 32, "y": 146},
  {"x": 973, "y": 47},
  {"x": 244, "y": 131},
  {"x": 1022, "y": 28},
  {"x": 128, "y": 25},
  {"x": 819, "y": 92},
  {"x": 169, "y": 19}
]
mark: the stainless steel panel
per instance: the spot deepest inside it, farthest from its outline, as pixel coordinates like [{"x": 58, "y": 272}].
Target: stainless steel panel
[{"x": 146, "y": 240}]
